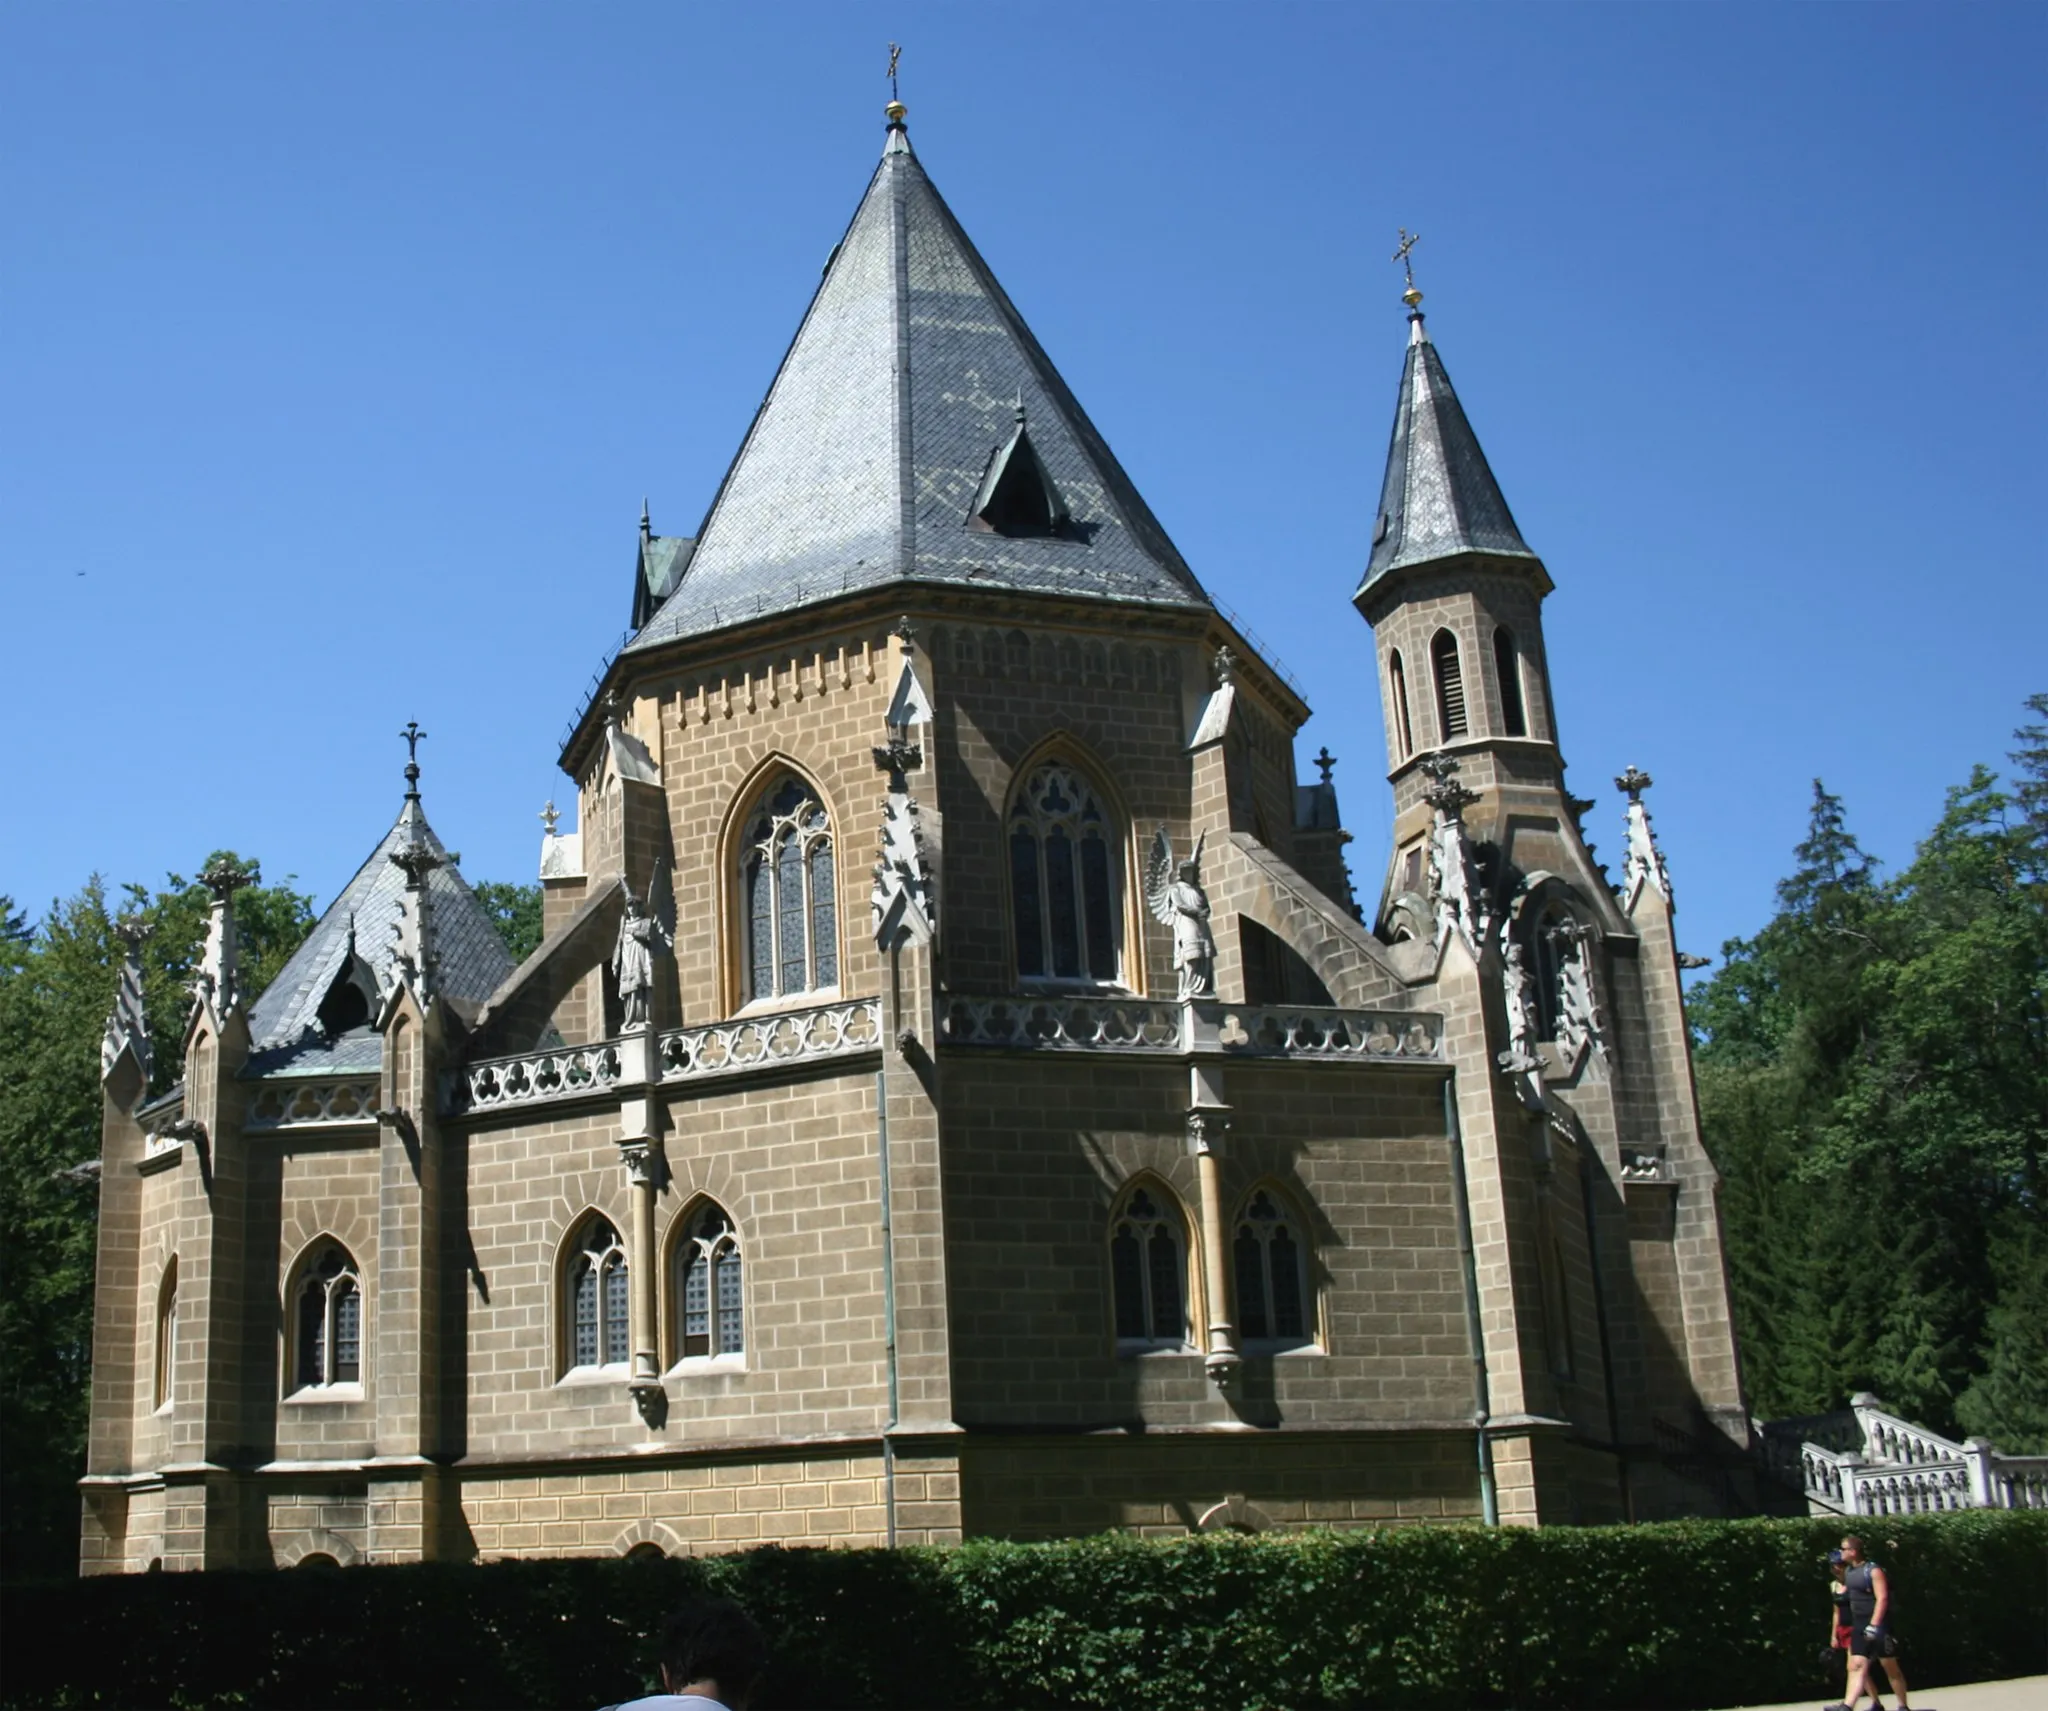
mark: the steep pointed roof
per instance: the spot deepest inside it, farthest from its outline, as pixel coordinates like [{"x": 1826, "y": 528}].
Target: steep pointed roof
[
  {"x": 285, "y": 1033},
  {"x": 1439, "y": 497},
  {"x": 864, "y": 462}
]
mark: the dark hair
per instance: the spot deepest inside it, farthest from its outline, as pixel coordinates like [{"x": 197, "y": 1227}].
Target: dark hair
[
  {"x": 714, "y": 1640},
  {"x": 1849, "y": 1539}
]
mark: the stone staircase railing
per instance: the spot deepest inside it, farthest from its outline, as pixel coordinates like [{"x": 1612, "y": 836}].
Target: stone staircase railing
[{"x": 1867, "y": 1461}]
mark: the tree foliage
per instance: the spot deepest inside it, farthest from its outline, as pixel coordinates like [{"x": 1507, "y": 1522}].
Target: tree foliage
[
  {"x": 515, "y": 911},
  {"x": 1873, "y": 1074}
]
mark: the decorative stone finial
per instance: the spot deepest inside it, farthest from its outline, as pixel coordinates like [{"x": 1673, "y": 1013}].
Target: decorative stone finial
[
  {"x": 1444, "y": 792},
  {"x": 412, "y": 734},
  {"x": 1226, "y": 666},
  {"x": 548, "y": 816},
  {"x": 646, "y": 520},
  {"x": 905, "y": 631},
  {"x": 1633, "y": 783},
  {"x": 223, "y": 877},
  {"x": 1326, "y": 762}
]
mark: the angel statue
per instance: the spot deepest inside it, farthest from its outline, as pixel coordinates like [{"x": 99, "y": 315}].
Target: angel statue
[
  {"x": 1176, "y": 899},
  {"x": 633, "y": 959}
]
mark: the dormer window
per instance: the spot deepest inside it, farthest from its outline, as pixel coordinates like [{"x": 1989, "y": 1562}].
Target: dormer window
[
  {"x": 352, "y": 997},
  {"x": 1017, "y": 497}
]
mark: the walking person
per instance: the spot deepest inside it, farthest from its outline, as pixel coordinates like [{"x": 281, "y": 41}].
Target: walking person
[
  {"x": 1839, "y": 1632},
  {"x": 712, "y": 1655},
  {"x": 1869, "y": 1591}
]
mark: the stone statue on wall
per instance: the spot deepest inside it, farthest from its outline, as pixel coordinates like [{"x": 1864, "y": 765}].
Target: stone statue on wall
[
  {"x": 633, "y": 957},
  {"x": 1578, "y": 1007},
  {"x": 1177, "y": 900}
]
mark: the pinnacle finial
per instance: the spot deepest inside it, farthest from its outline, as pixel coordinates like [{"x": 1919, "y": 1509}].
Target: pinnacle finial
[
  {"x": 1633, "y": 783},
  {"x": 412, "y": 735},
  {"x": 646, "y": 521},
  {"x": 1411, "y": 297},
  {"x": 896, "y": 111},
  {"x": 1327, "y": 762},
  {"x": 548, "y": 816}
]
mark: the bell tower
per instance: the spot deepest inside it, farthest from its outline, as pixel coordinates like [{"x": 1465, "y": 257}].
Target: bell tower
[{"x": 1454, "y": 597}]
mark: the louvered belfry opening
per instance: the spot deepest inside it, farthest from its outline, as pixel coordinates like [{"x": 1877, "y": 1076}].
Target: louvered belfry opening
[
  {"x": 1508, "y": 666},
  {"x": 1450, "y": 685}
]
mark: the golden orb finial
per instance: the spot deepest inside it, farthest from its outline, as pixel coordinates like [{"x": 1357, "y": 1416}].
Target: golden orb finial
[
  {"x": 896, "y": 112},
  {"x": 1412, "y": 298}
]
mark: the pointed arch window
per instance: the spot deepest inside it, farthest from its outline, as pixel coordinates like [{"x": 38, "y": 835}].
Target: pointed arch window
[
  {"x": 166, "y": 1363},
  {"x": 1507, "y": 666},
  {"x": 1404, "y": 732},
  {"x": 1066, "y": 881},
  {"x": 709, "y": 1284},
  {"x": 789, "y": 894},
  {"x": 328, "y": 1326},
  {"x": 1271, "y": 1258},
  {"x": 1148, "y": 1263},
  {"x": 599, "y": 1334},
  {"x": 1450, "y": 685}
]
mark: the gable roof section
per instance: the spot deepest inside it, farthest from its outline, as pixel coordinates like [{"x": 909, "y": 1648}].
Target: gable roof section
[
  {"x": 470, "y": 958},
  {"x": 1439, "y": 497},
  {"x": 863, "y": 463}
]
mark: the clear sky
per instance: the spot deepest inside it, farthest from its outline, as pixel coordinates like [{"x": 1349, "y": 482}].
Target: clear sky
[{"x": 339, "y": 344}]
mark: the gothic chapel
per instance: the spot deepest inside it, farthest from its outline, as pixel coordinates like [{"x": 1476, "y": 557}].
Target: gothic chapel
[{"x": 958, "y": 1093}]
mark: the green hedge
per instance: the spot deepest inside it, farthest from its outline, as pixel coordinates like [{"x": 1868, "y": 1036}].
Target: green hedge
[{"x": 1680, "y": 1615}]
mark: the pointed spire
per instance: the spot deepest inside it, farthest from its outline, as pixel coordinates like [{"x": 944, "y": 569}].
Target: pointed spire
[
  {"x": 1439, "y": 497},
  {"x": 127, "y": 1024},
  {"x": 219, "y": 978}
]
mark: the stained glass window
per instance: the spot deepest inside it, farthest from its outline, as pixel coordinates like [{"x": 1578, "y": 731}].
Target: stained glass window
[
  {"x": 790, "y": 894},
  {"x": 329, "y": 1330},
  {"x": 1065, "y": 884},
  {"x": 600, "y": 1321},
  {"x": 711, "y": 1286}
]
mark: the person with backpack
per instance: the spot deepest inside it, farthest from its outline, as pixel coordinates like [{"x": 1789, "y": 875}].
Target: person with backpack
[
  {"x": 1839, "y": 1632},
  {"x": 1869, "y": 1591}
]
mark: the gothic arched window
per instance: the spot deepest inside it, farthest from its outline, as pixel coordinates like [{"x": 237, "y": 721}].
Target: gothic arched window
[
  {"x": 1450, "y": 685},
  {"x": 329, "y": 1322},
  {"x": 1404, "y": 733},
  {"x": 710, "y": 1303},
  {"x": 166, "y": 1335},
  {"x": 599, "y": 1333},
  {"x": 789, "y": 893},
  {"x": 1066, "y": 882},
  {"x": 1272, "y": 1274},
  {"x": 1507, "y": 666},
  {"x": 1148, "y": 1268}
]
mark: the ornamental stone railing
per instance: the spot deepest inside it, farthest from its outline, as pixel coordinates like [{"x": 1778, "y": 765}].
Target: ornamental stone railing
[
  {"x": 792, "y": 1038},
  {"x": 533, "y": 1078},
  {"x": 1867, "y": 1461},
  {"x": 325, "y": 1103},
  {"x": 1158, "y": 1028}
]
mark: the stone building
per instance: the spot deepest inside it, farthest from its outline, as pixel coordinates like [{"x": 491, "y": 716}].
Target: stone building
[{"x": 958, "y": 1093}]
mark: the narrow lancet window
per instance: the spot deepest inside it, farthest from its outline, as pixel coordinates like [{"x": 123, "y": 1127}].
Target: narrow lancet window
[
  {"x": 709, "y": 1282},
  {"x": 1272, "y": 1288},
  {"x": 1450, "y": 686},
  {"x": 1404, "y": 732},
  {"x": 166, "y": 1335},
  {"x": 1507, "y": 666},
  {"x": 598, "y": 1297},
  {"x": 329, "y": 1328}
]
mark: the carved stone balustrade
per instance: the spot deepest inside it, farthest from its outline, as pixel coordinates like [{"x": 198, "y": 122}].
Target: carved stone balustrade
[
  {"x": 792, "y": 1038},
  {"x": 325, "y": 1103},
  {"x": 1160, "y": 1028},
  {"x": 533, "y": 1078},
  {"x": 1874, "y": 1463}
]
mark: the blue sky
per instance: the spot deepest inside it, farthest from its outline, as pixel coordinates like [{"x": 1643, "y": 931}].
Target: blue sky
[{"x": 339, "y": 345}]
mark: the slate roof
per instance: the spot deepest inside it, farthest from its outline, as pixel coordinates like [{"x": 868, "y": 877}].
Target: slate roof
[
  {"x": 864, "y": 460},
  {"x": 1439, "y": 497},
  {"x": 285, "y": 1035}
]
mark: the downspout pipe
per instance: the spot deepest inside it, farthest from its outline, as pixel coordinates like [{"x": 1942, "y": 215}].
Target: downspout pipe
[
  {"x": 888, "y": 1302},
  {"x": 1489, "y": 1498}
]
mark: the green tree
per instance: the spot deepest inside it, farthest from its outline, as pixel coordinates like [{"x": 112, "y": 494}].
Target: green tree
[
  {"x": 515, "y": 911},
  {"x": 1874, "y": 1085},
  {"x": 56, "y": 987}
]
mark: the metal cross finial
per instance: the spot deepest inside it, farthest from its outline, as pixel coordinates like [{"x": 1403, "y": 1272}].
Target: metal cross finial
[
  {"x": 1326, "y": 761},
  {"x": 1633, "y": 783},
  {"x": 412, "y": 734},
  {"x": 1408, "y": 241},
  {"x": 895, "y": 53}
]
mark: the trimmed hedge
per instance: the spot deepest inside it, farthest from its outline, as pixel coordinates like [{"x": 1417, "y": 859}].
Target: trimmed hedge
[{"x": 1684, "y": 1614}]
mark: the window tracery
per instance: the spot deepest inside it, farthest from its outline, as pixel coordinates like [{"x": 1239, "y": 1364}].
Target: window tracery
[
  {"x": 710, "y": 1286},
  {"x": 789, "y": 894},
  {"x": 1272, "y": 1274},
  {"x": 1148, "y": 1271},
  {"x": 330, "y": 1320},
  {"x": 1066, "y": 881},
  {"x": 598, "y": 1298}
]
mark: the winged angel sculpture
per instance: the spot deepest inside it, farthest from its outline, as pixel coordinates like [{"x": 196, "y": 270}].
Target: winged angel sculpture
[
  {"x": 639, "y": 933},
  {"x": 1176, "y": 899}
]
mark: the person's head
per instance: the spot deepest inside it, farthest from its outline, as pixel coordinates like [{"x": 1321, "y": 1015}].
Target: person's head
[
  {"x": 715, "y": 1648},
  {"x": 1852, "y": 1550}
]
